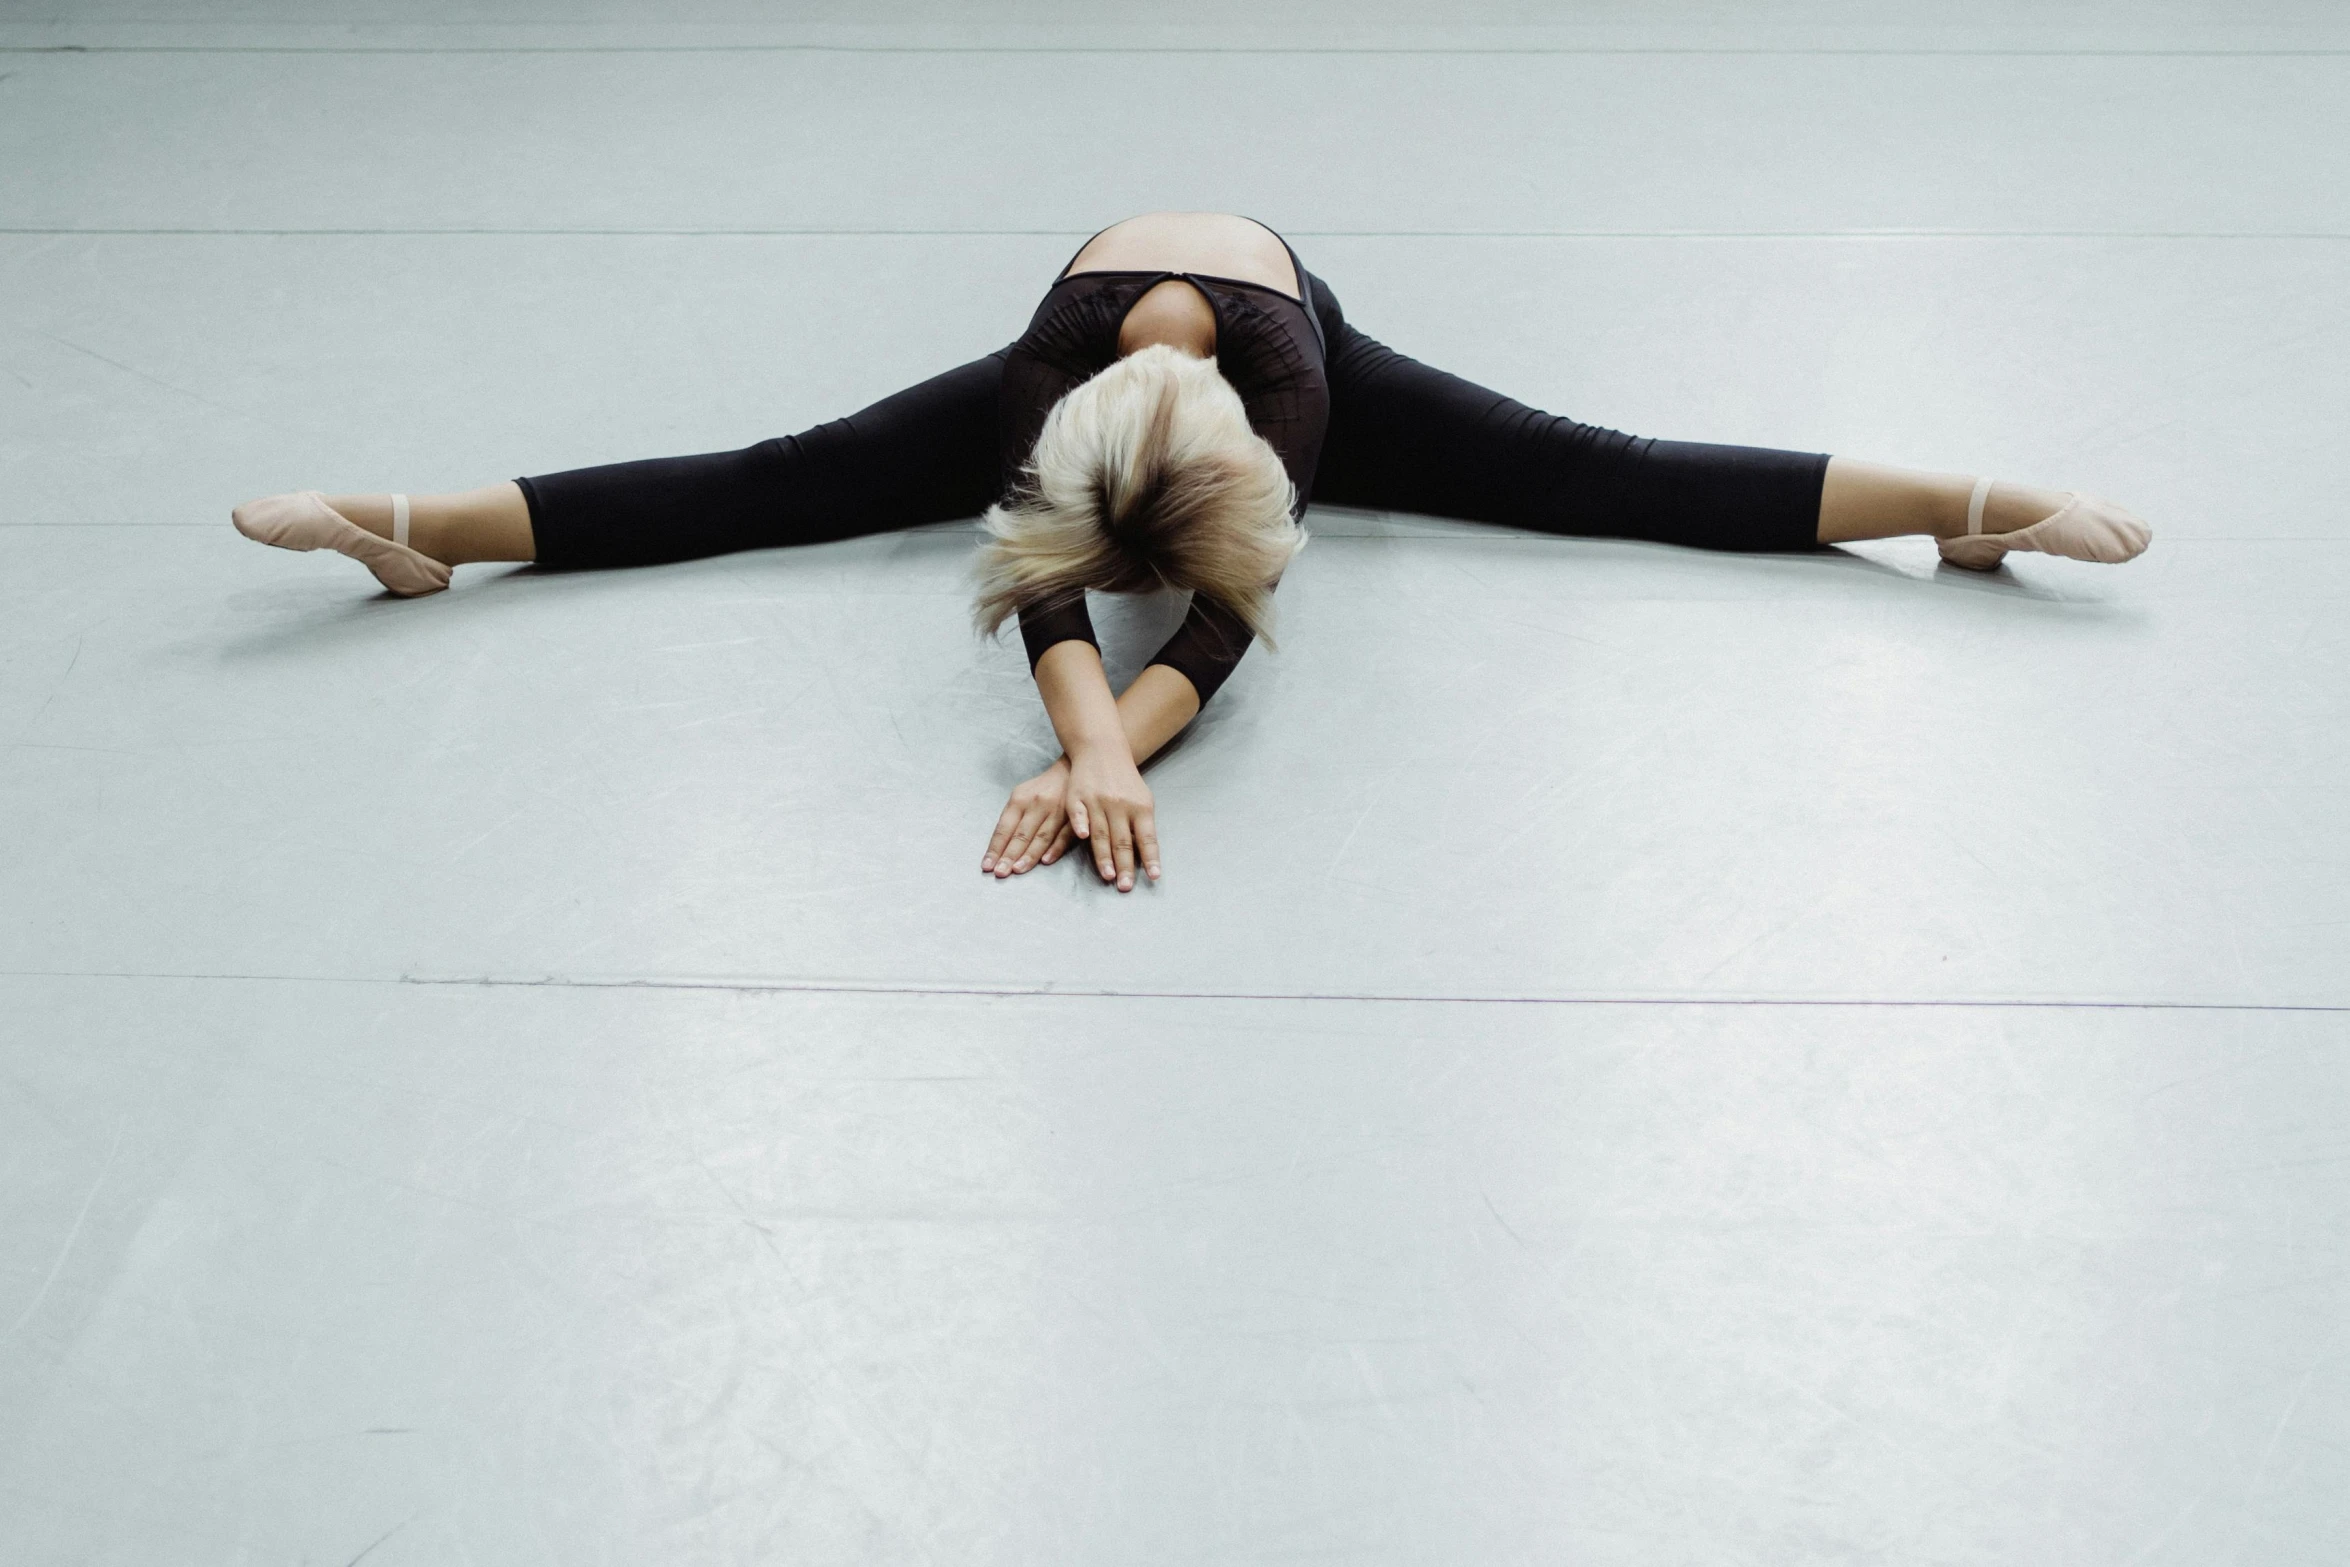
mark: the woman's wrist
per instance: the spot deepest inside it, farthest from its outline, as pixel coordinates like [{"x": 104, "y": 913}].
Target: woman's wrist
[{"x": 1098, "y": 748}]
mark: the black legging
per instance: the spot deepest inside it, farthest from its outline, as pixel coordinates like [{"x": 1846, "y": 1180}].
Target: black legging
[{"x": 1402, "y": 437}]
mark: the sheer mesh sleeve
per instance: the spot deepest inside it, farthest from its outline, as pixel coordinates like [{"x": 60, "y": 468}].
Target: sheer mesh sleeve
[
  {"x": 1043, "y": 625},
  {"x": 1206, "y": 647}
]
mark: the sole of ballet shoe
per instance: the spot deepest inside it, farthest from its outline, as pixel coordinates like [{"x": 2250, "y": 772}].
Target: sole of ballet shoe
[
  {"x": 1975, "y": 551},
  {"x": 304, "y": 521}
]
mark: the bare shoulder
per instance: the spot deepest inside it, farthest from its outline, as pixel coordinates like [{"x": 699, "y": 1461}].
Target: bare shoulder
[{"x": 1220, "y": 244}]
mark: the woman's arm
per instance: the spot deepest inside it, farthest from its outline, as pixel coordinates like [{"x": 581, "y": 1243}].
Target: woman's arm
[
  {"x": 1077, "y": 698},
  {"x": 1155, "y": 709},
  {"x": 1095, "y": 791}
]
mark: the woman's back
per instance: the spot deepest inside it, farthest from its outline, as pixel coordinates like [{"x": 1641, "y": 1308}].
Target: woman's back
[{"x": 1213, "y": 244}]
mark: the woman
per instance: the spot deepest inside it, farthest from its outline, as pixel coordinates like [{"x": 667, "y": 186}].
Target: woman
[{"x": 1183, "y": 389}]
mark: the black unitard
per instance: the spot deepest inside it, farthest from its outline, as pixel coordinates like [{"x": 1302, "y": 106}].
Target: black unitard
[{"x": 1355, "y": 424}]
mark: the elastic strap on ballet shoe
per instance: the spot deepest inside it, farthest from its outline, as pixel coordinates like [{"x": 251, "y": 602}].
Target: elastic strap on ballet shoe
[
  {"x": 400, "y": 519},
  {"x": 1974, "y": 506}
]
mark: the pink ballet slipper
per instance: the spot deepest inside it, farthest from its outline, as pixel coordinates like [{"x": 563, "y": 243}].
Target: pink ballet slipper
[
  {"x": 2084, "y": 528},
  {"x": 304, "y": 521}
]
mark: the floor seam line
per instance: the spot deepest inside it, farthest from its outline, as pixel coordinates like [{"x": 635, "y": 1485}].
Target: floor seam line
[
  {"x": 1535, "y": 51},
  {"x": 1048, "y": 992},
  {"x": 37, "y": 231}
]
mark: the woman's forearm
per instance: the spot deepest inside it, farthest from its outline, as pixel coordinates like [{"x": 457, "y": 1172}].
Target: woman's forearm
[
  {"x": 1077, "y": 698},
  {"x": 1155, "y": 708},
  {"x": 1086, "y": 717}
]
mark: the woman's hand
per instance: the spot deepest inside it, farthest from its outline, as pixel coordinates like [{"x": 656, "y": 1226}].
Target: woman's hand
[
  {"x": 1110, "y": 807},
  {"x": 1034, "y": 829},
  {"x": 1095, "y": 791}
]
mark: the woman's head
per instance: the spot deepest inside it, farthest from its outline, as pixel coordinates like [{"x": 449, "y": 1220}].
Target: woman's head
[{"x": 1145, "y": 476}]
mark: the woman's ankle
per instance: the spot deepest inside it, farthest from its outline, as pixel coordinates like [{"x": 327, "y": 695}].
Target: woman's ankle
[
  {"x": 2007, "y": 509},
  {"x": 430, "y": 532},
  {"x": 489, "y": 524},
  {"x": 372, "y": 512}
]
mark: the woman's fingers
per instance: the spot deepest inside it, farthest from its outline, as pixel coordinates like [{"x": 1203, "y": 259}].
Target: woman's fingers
[
  {"x": 1027, "y": 836},
  {"x": 1015, "y": 855},
  {"x": 1040, "y": 836},
  {"x": 1146, "y": 841},
  {"x": 1122, "y": 840},
  {"x": 1105, "y": 855},
  {"x": 1048, "y": 831},
  {"x": 1005, "y": 825},
  {"x": 1122, "y": 834}
]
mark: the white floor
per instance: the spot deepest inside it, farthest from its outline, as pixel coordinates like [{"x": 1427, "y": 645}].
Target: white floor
[{"x": 1640, "y": 1056}]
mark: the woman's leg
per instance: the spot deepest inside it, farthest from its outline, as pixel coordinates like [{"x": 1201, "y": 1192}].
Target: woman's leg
[
  {"x": 1866, "y": 500},
  {"x": 1406, "y": 436},
  {"x": 927, "y": 454},
  {"x": 460, "y": 529}
]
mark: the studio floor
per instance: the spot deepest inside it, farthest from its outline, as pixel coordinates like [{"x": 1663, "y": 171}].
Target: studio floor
[{"x": 1639, "y": 1056}]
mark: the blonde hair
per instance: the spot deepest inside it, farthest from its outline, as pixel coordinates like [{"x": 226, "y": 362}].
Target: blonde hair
[{"x": 1145, "y": 476}]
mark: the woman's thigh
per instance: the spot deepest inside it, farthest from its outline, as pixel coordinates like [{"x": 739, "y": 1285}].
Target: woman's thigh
[
  {"x": 1405, "y": 436},
  {"x": 926, "y": 454}
]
